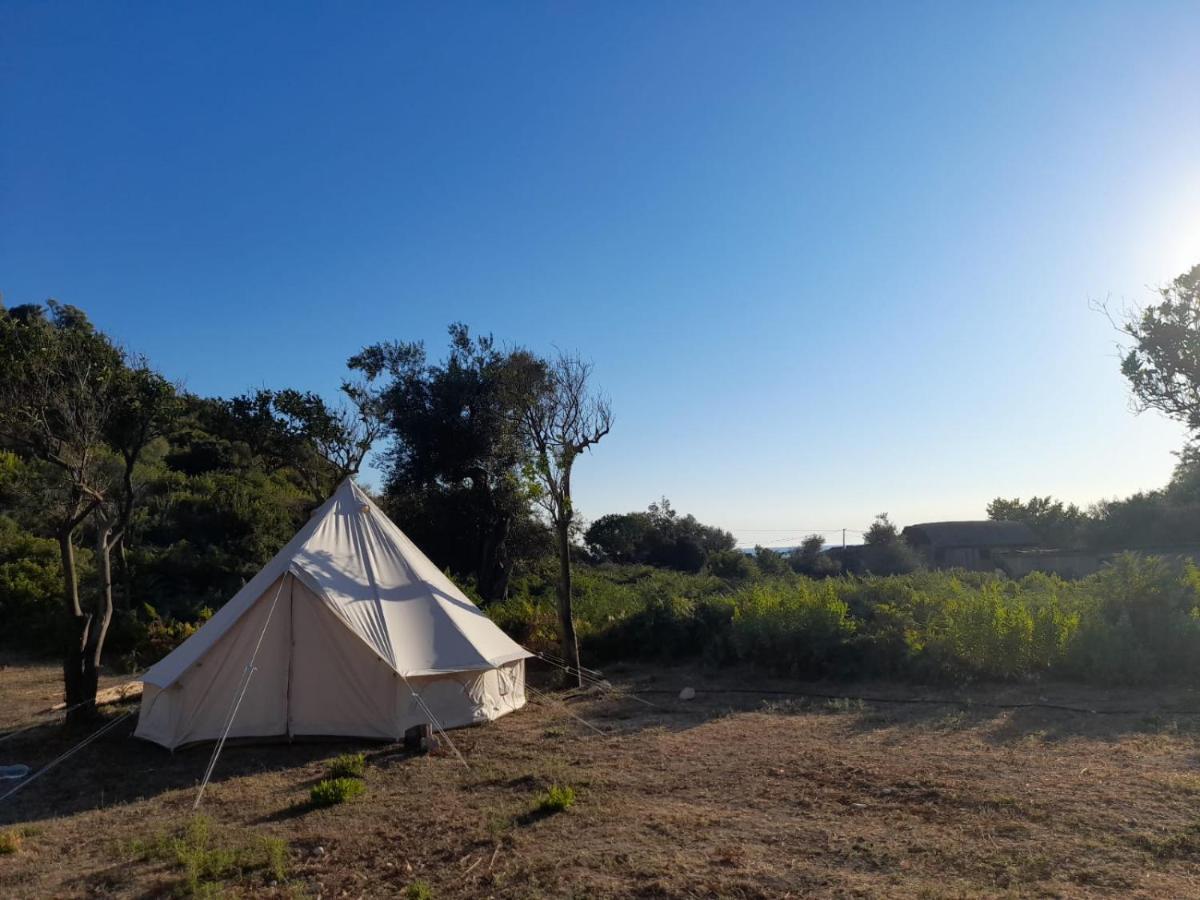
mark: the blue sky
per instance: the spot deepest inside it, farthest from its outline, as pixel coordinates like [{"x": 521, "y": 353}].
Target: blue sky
[{"x": 829, "y": 259}]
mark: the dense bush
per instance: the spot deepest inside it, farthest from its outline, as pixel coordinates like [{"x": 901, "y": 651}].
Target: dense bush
[
  {"x": 332, "y": 791},
  {"x": 1137, "y": 621}
]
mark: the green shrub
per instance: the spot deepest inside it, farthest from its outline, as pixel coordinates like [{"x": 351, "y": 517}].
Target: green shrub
[
  {"x": 348, "y": 765},
  {"x": 418, "y": 890},
  {"x": 333, "y": 791},
  {"x": 206, "y": 859},
  {"x": 555, "y": 800},
  {"x": 10, "y": 842},
  {"x": 1132, "y": 623}
]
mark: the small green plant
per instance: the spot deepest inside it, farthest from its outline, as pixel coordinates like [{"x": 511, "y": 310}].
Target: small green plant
[
  {"x": 348, "y": 765},
  {"x": 554, "y": 800},
  {"x": 206, "y": 859},
  {"x": 333, "y": 791},
  {"x": 10, "y": 842},
  {"x": 419, "y": 890}
]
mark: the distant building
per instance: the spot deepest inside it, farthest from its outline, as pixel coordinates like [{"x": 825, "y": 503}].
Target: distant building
[{"x": 968, "y": 545}]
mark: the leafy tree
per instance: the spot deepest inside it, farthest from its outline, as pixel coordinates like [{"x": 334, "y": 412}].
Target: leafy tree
[
  {"x": 57, "y": 393},
  {"x": 144, "y": 409},
  {"x": 300, "y": 432},
  {"x": 620, "y": 537},
  {"x": 1163, "y": 364},
  {"x": 657, "y": 537},
  {"x": 1056, "y": 524},
  {"x": 885, "y": 552},
  {"x": 732, "y": 565},
  {"x": 455, "y": 463},
  {"x": 561, "y": 418},
  {"x": 770, "y": 562},
  {"x": 811, "y": 560}
]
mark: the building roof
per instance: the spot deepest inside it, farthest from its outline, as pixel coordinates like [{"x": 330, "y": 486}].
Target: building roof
[{"x": 971, "y": 534}]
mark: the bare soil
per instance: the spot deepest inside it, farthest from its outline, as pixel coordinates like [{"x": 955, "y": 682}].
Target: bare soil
[{"x": 732, "y": 794}]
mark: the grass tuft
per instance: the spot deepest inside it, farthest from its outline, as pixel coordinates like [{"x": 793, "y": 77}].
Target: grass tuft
[
  {"x": 418, "y": 890},
  {"x": 206, "y": 860},
  {"x": 10, "y": 842},
  {"x": 333, "y": 791},
  {"x": 348, "y": 765},
  {"x": 555, "y": 800}
]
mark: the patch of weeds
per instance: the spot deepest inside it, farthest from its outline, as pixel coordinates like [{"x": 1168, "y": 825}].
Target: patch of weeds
[
  {"x": 787, "y": 706},
  {"x": 207, "y": 860},
  {"x": 1181, "y": 844},
  {"x": 557, "y": 799},
  {"x": 1187, "y": 782},
  {"x": 333, "y": 791},
  {"x": 348, "y": 765},
  {"x": 10, "y": 842},
  {"x": 845, "y": 704},
  {"x": 555, "y": 732},
  {"x": 418, "y": 890},
  {"x": 1000, "y": 803}
]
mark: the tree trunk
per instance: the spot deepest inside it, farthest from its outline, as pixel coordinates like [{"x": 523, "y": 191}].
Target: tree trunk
[
  {"x": 566, "y": 617},
  {"x": 103, "y": 615},
  {"x": 76, "y": 629},
  {"x": 126, "y": 575},
  {"x": 492, "y": 575}
]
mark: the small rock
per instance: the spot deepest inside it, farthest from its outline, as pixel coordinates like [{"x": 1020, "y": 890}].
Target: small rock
[
  {"x": 688, "y": 693},
  {"x": 319, "y": 851}
]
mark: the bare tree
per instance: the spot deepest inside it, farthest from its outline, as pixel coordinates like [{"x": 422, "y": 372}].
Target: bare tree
[{"x": 560, "y": 419}]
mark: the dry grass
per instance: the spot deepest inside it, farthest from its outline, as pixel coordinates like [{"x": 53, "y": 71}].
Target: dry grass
[{"x": 733, "y": 795}]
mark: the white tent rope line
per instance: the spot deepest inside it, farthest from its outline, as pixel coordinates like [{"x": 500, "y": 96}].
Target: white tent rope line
[
  {"x": 95, "y": 735},
  {"x": 435, "y": 722},
  {"x": 598, "y": 683},
  {"x": 566, "y": 709},
  {"x": 243, "y": 685},
  {"x": 67, "y": 709}
]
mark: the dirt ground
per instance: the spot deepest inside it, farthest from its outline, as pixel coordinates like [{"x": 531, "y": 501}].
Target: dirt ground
[{"x": 746, "y": 794}]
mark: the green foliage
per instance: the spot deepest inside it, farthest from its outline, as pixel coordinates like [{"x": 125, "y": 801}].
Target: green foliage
[
  {"x": 1135, "y": 622},
  {"x": 348, "y": 765},
  {"x": 557, "y": 799},
  {"x": 1161, "y": 363},
  {"x": 800, "y": 627},
  {"x": 658, "y": 537},
  {"x": 332, "y": 791},
  {"x": 30, "y": 586},
  {"x": 731, "y": 565},
  {"x": 10, "y": 842},
  {"x": 207, "y": 857},
  {"x": 811, "y": 559},
  {"x": 770, "y": 562},
  {"x": 418, "y": 890},
  {"x": 884, "y": 552},
  {"x": 1056, "y": 524},
  {"x": 456, "y": 478}
]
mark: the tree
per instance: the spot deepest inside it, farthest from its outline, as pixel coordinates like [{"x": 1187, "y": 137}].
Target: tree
[
  {"x": 811, "y": 560},
  {"x": 561, "y": 418},
  {"x": 770, "y": 562},
  {"x": 144, "y": 408},
  {"x": 299, "y": 431},
  {"x": 620, "y": 537},
  {"x": 455, "y": 463},
  {"x": 1056, "y": 524},
  {"x": 56, "y": 400},
  {"x": 885, "y": 552},
  {"x": 1163, "y": 365},
  {"x": 657, "y": 537}
]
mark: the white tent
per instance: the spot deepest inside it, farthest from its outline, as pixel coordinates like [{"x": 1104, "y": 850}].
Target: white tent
[{"x": 349, "y": 619}]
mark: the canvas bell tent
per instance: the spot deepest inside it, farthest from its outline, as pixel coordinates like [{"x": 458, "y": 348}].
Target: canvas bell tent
[{"x": 352, "y": 631}]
